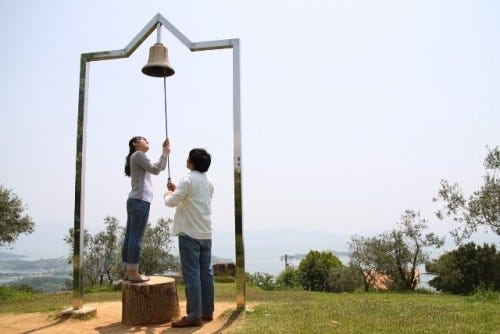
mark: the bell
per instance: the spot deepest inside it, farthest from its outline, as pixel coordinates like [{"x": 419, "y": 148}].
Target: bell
[{"x": 158, "y": 65}]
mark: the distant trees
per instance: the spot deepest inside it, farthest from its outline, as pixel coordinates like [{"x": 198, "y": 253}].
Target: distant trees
[
  {"x": 462, "y": 270},
  {"x": 391, "y": 259},
  {"x": 102, "y": 252},
  {"x": 395, "y": 254},
  {"x": 317, "y": 271},
  {"x": 156, "y": 247},
  {"x": 482, "y": 208},
  {"x": 12, "y": 221}
]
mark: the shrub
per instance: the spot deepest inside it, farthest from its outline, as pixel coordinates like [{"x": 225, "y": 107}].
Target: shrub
[
  {"x": 484, "y": 292},
  {"x": 288, "y": 278},
  {"x": 462, "y": 270},
  {"x": 263, "y": 280},
  {"x": 345, "y": 279},
  {"x": 224, "y": 279},
  {"x": 315, "y": 270},
  {"x": 15, "y": 292}
]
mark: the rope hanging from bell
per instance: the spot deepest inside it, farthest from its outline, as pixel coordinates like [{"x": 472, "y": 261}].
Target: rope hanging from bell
[
  {"x": 158, "y": 66},
  {"x": 166, "y": 123}
]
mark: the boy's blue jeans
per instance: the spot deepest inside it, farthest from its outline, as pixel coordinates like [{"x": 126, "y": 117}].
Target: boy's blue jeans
[
  {"x": 196, "y": 257},
  {"x": 137, "y": 218}
]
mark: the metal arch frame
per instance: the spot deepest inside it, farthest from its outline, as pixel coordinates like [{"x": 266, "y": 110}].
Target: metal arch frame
[{"x": 234, "y": 44}]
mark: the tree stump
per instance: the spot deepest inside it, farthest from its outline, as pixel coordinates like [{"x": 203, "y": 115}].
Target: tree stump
[{"x": 154, "y": 301}]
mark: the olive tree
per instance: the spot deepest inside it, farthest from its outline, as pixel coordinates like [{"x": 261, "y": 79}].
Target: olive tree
[
  {"x": 156, "y": 254},
  {"x": 111, "y": 239},
  {"x": 101, "y": 254},
  {"x": 12, "y": 221},
  {"x": 408, "y": 248},
  {"x": 371, "y": 257},
  {"x": 396, "y": 254},
  {"x": 481, "y": 209}
]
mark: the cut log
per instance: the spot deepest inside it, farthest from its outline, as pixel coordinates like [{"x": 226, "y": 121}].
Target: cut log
[{"x": 151, "y": 302}]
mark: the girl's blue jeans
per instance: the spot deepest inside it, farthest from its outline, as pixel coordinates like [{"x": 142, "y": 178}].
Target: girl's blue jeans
[
  {"x": 137, "y": 218},
  {"x": 196, "y": 257}
]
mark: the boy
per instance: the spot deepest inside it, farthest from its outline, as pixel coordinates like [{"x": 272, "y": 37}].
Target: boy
[{"x": 193, "y": 226}]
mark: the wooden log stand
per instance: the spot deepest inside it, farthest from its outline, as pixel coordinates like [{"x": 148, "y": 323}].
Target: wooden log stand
[{"x": 154, "y": 301}]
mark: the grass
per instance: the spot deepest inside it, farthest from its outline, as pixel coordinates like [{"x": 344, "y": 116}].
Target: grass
[
  {"x": 310, "y": 312},
  {"x": 314, "y": 312}
]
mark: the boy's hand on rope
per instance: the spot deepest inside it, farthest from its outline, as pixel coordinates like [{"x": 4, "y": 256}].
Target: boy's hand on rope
[
  {"x": 171, "y": 189},
  {"x": 170, "y": 186}
]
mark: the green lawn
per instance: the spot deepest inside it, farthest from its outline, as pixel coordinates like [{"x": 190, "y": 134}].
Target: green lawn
[
  {"x": 309, "y": 312},
  {"x": 313, "y": 312}
]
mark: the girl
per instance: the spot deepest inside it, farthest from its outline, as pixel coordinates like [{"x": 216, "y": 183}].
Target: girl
[{"x": 139, "y": 169}]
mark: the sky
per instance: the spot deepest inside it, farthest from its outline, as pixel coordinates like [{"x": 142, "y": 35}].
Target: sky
[{"x": 351, "y": 113}]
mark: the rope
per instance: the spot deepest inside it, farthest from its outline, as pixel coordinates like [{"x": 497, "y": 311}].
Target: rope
[{"x": 166, "y": 121}]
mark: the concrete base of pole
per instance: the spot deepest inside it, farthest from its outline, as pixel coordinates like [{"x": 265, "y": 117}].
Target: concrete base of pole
[{"x": 83, "y": 313}]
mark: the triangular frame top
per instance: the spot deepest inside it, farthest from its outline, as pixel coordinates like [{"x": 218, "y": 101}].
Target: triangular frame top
[{"x": 147, "y": 30}]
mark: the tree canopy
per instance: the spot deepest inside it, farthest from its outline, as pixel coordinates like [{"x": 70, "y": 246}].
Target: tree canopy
[
  {"x": 481, "y": 209},
  {"x": 315, "y": 270},
  {"x": 464, "y": 269},
  {"x": 12, "y": 221}
]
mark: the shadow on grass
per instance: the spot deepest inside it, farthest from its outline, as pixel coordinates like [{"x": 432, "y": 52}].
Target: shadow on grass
[{"x": 232, "y": 318}]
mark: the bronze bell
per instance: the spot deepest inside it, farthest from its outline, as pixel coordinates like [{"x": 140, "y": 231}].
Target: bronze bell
[{"x": 158, "y": 65}]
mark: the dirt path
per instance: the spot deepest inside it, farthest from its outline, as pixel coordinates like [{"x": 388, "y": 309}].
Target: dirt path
[{"x": 108, "y": 320}]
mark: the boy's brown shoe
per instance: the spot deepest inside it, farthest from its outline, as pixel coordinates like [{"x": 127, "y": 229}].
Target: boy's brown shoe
[
  {"x": 184, "y": 322},
  {"x": 207, "y": 318}
]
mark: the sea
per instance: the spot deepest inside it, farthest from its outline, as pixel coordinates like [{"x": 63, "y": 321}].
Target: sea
[{"x": 266, "y": 251}]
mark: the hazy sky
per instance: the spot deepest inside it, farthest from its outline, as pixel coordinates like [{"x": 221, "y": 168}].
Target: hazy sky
[{"x": 352, "y": 111}]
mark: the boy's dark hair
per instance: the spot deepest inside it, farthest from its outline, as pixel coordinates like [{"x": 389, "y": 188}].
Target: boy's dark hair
[{"x": 200, "y": 159}]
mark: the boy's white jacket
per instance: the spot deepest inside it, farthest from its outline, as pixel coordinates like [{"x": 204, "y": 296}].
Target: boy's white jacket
[{"x": 193, "y": 201}]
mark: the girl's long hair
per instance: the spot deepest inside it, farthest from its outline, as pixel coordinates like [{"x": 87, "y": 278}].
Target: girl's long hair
[{"x": 131, "y": 151}]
